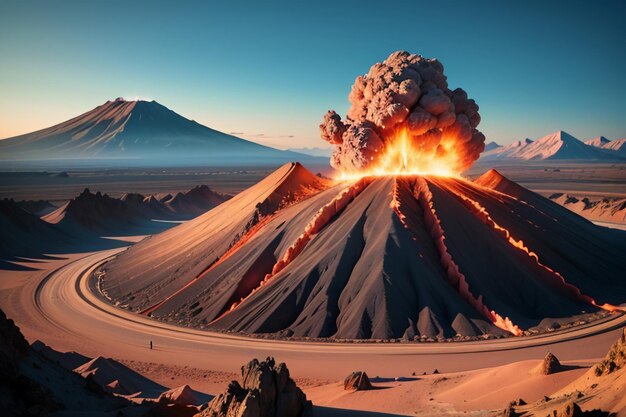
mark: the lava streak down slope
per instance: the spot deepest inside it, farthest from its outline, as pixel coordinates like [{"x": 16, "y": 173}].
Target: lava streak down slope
[{"x": 383, "y": 257}]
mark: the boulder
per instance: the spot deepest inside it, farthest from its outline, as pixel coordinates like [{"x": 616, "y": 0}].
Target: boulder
[
  {"x": 357, "y": 381},
  {"x": 549, "y": 365},
  {"x": 266, "y": 390}
]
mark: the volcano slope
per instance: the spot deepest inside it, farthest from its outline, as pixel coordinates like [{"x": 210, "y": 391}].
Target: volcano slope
[{"x": 382, "y": 257}]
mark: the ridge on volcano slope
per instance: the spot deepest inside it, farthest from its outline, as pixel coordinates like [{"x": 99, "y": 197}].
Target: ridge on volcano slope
[
  {"x": 133, "y": 212},
  {"x": 138, "y": 132},
  {"x": 382, "y": 257}
]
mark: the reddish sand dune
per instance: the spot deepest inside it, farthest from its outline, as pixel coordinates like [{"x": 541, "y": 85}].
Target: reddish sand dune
[{"x": 385, "y": 257}]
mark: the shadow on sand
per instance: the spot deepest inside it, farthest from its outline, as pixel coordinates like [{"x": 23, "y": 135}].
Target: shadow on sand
[{"x": 33, "y": 249}]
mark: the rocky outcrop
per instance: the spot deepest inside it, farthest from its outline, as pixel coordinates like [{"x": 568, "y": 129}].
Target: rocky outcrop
[
  {"x": 615, "y": 359},
  {"x": 357, "y": 381},
  {"x": 562, "y": 409},
  {"x": 266, "y": 390},
  {"x": 549, "y": 365},
  {"x": 19, "y": 395}
]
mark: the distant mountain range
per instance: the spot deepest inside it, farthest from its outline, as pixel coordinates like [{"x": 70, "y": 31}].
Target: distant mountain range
[
  {"x": 557, "y": 146},
  {"x": 616, "y": 146},
  {"x": 491, "y": 146},
  {"x": 597, "y": 142},
  {"x": 140, "y": 131}
]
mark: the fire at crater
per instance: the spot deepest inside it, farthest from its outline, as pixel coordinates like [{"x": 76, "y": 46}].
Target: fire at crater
[{"x": 404, "y": 119}]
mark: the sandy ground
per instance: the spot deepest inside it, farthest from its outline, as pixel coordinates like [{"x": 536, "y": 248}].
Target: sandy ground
[
  {"x": 54, "y": 303},
  {"x": 478, "y": 392}
]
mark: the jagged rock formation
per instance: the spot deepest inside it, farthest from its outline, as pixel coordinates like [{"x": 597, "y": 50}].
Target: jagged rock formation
[
  {"x": 615, "y": 359},
  {"x": 357, "y": 381},
  {"x": 96, "y": 213},
  {"x": 266, "y": 390}
]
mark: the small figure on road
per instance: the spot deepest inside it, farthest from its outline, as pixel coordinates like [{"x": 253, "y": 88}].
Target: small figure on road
[{"x": 151, "y": 345}]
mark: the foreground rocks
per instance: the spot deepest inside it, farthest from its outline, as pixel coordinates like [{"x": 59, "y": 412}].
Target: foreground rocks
[
  {"x": 566, "y": 409},
  {"x": 19, "y": 395},
  {"x": 266, "y": 390},
  {"x": 357, "y": 381},
  {"x": 12, "y": 349},
  {"x": 33, "y": 382},
  {"x": 615, "y": 359},
  {"x": 601, "y": 387}
]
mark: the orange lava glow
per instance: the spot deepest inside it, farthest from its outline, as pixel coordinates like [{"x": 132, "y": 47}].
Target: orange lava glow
[
  {"x": 402, "y": 156},
  {"x": 455, "y": 277},
  {"x": 321, "y": 219},
  {"x": 519, "y": 244}
]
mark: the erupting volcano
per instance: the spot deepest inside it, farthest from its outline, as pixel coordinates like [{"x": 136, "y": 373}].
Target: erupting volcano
[
  {"x": 404, "y": 119},
  {"x": 399, "y": 246}
]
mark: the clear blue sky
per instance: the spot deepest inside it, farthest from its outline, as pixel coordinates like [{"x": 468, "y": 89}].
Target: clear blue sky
[{"x": 270, "y": 70}]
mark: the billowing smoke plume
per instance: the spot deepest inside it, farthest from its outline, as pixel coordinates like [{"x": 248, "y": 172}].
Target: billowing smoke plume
[{"x": 405, "y": 92}]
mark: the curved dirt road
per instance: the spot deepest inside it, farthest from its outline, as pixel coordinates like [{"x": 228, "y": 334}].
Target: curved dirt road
[{"x": 63, "y": 309}]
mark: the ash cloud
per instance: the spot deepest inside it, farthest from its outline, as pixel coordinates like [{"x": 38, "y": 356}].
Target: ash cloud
[{"x": 406, "y": 91}]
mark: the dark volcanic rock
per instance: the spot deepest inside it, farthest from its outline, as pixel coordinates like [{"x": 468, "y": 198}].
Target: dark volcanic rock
[
  {"x": 12, "y": 349},
  {"x": 266, "y": 390},
  {"x": 19, "y": 395},
  {"x": 357, "y": 381}
]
